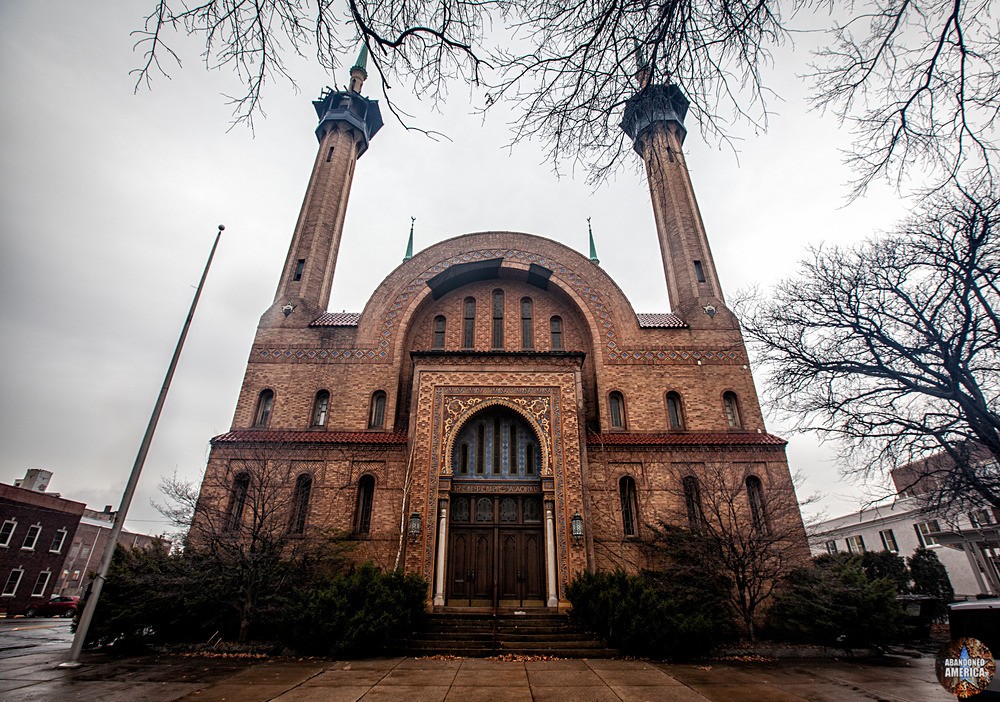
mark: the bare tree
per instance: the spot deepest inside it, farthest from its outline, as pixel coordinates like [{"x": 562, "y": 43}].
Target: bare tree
[
  {"x": 751, "y": 521},
  {"x": 245, "y": 527},
  {"x": 919, "y": 82},
  {"x": 916, "y": 78},
  {"x": 893, "y": 346}
]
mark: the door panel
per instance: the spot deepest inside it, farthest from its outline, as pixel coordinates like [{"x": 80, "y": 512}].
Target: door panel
[{"x": 495, "y": 556}]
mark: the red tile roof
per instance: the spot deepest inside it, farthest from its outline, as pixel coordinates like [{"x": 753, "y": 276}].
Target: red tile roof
[
  {"x": 336, "y": 319},
  {"x": 687, "y": 438},
  {"x": 660, "y": 320},
  {"x": 265, "y": 436}
]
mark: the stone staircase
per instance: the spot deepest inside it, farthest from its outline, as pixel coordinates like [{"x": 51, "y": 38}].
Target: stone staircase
[{"x": 484, "y": 634}]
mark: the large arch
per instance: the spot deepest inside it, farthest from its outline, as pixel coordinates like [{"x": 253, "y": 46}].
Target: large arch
[
  {"x": 404, "y": 293},
  {"x": 472, "y": 412}
]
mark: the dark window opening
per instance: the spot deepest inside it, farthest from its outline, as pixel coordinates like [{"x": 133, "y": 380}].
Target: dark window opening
[
  {"x": 329, "y": 155},
  {"x": 496, "y": 445},
  {"x": 265, "y": 403},
  {"x": 498, "y": 319},
  {"x": 527, "y": 332},
  {"x": 529, "y": 458},
  {"x": 299, "y": 267},
  {"x": 674, "y": 411},
  {"x": 237, "y": 501},
  {"x": 755, "y": 494},
  {"x": 469, "y": 324},
  {"x": 732, "y": 410},
  {"x": 300, "y": 504},
  {"x": 480, "y": 449},
  {"x": 692, "y": 500},
  {"x": 321, "y": 408},
  {"x": 512, "y": 451},
  {"x": 616, "y": 404},
  {"x": 463, "y": 465},
  {"x": 376, "y": 417},
  {"x": 363, "y": 510},
  {"x": 699, "y": 272},
  {"x": 439, "y": 323},
  {"x": 630, "y": 508},
  {"x": 557, "y": 333}
]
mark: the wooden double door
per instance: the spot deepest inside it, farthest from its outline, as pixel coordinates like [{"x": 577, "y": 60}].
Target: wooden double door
[{"x": 496, "y": 551}]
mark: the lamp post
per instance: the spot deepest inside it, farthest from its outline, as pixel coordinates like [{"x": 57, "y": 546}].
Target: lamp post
[{"x": 88, "y": 610}]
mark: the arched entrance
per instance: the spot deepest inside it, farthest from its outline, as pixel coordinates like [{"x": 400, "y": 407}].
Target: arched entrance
[{"x": 496, "y": 544}]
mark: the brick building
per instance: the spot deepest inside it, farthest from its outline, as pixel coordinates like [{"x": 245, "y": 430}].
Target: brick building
[
  {"x": 498, "y": 417},
  {"x": 83, "y": 557},
  {"x": 35, "y": 532}
]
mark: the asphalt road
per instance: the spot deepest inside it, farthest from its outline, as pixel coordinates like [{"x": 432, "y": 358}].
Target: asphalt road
[{"x": 19, "y": 637}]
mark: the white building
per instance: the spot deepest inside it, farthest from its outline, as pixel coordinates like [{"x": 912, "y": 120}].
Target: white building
[{"x": 967, "y": 543}]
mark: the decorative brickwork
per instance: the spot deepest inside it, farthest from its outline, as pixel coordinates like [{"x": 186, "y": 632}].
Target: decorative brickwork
[{"x": 521, "y": 334}]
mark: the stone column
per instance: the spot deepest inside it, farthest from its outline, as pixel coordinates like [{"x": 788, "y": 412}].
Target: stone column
[
  {"x": 550, "y": 556},
  {"x": 442, "y": 551}
]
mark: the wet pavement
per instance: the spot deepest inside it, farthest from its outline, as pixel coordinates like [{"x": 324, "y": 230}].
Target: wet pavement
[{"x": 32, "y": 674}]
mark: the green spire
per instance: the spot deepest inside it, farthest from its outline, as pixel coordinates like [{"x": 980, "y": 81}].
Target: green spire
[
  {"x": 593, "y": 249},
  {"x": 409, "y": 244},
  {"x": 362, "y": 62}
]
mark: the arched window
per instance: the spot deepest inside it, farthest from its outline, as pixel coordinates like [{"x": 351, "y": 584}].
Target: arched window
[
  {"x": 616, "y": 405},
  {"x": 555, "y": 324},
  {"x": 376, "y": 416},
  {"x": 321, "y": 408},
  {"x": 755, "y": 495},
  {"x": 265, "y": 402},
  {"x": 469, "y": 324},
  {"x": 463, "y": 464},
  {"x": 237, "y": 501},
  {"x": 674, "y": 414},
  {"x": 732, "y": 410},
  {"x": 630, "y": 506},
  {"x": 498, "y": 319},
  {"x": 300, "y": 504},
  {"x": 692, "y": 500},
  {"x": 527, "y": 324},
  {"x": 439, "y": 323},
  {"x": 363, "y": 510}
]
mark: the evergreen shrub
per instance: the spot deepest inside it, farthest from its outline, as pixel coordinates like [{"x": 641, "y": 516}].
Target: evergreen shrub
[{"x": 836, "y": 603}]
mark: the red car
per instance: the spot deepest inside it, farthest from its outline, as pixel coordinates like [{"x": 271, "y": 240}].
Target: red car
[{"x": 58, "y": 606}]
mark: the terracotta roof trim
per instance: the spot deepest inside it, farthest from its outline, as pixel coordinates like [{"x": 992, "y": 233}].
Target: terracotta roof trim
[
  {"x": 660, "y": 320},
  {"x": 265, "y": 436},
  {"x": 336, "y": 319}
]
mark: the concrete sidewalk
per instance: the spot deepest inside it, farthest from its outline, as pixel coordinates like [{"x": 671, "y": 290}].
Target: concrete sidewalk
[{"x": 36, "y": 677}]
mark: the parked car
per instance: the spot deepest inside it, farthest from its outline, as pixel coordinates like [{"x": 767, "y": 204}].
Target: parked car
[{"x": 58, "y": 606}]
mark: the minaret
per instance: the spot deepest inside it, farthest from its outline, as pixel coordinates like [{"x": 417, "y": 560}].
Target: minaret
[
  {"x": 347, "y": 123},
  {"x": 654, "y": 119}
]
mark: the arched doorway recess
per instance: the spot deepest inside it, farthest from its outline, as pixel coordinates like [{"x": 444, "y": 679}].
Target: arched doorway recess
[{"x": 496, "y": 544}]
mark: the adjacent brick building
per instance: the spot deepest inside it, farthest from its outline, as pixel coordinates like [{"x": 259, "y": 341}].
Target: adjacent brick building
[
  {"x": 498, "y": 418},
  {"x": 35, "y": 532},
  {"x": 83, "y": 556}
]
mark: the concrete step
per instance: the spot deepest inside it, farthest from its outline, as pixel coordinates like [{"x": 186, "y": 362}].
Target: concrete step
[{"x": 481, "y": 634}]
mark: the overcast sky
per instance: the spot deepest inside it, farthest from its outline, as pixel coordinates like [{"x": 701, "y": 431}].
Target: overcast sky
[{"x": 110, "y": 200}]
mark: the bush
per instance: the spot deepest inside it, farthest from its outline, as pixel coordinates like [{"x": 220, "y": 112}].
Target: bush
[
  {"x": 151, "y": 596},
  {"x": 356, "y": 614},
  {"x": 885, "y": 564},
  {"x": 835, "y": 603},
  {"x": 931, "y": 578},
  {"x": 679, "y": 611}
]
